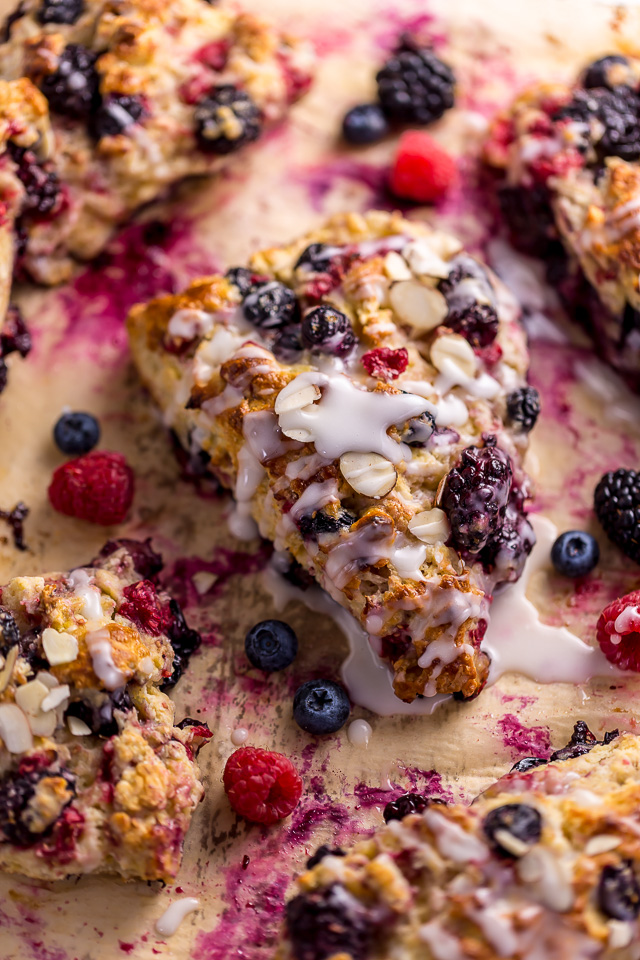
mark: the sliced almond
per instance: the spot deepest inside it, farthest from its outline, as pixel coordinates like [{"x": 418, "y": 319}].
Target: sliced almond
[
  {"x": 7, "y": 671},
  {"x": 601, "y": 843},
  {"x": 421, "y": 307},
  {"x": 425, "y": 261},
  {"x": 78, "y": 727},
  {"x": 29, "y": 697},
  {"x": 368, "y": 473},
  {"x": 59, "y": 647},
  {"x": 296, "y": 399},
  {"x": 430, "y": 526},
  {"x": 44, "y": 724},
  {"x": 396, "y": 267},
  {"x": 453, "y": 349},
  {"x": 14, "y": 729},
  {"x": 55, "y": 697}
]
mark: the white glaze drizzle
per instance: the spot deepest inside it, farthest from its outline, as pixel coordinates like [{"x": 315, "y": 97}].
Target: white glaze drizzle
[
  {"x": 99, "y": 644},
  {"x": 88, "y": 593},
  {"x": 168, "y": 923},
  {"x": 239, "y": 736},
  {"x": 453, "y": 841},
  {"x": 359, "y": 733}
]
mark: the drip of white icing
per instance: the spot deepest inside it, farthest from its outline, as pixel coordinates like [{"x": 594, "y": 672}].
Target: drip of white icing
[
  {"x": 453, "y": 841},
  {"x": 263, "y": 435},
  {"x": 348, "y": 418},
  {"x": 250, "y": 474},
  {"x": 239, "y": 736},
  {"x": 189, "y": 323},
  {"x": 444, "y": 651},
  {"x": 516, "y": 639},
  {"x": 449, "y": 411},
  {"x": 88, "y": 593},
  {"x": 452, "y": 375},
  {"x": 407, "y": 557},
  {"x": 230, "y": 397},
  {"x": 168, "y": 923},
  {"x": 99, "y": 644},
  {"x": 315, "y": 496},
  {"x": 359, "y": 733}
]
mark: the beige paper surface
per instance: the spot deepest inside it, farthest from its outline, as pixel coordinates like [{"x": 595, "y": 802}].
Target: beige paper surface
[{"x": 285, "y": 186}]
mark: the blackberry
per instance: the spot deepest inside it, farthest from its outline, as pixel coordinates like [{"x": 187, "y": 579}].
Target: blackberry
[
  {"x": 226, "y": 120},
  {"x": 517, "y": 820},
  {"x": 582, "y": 741},
  {"x": 419, "y": 430},
  {"x": 529, "y": 216},
  {"x": 116, "y": 114},
  {"x": 327, "y": 330},
  {"x": 327, "y": 922},
  {"x": 408, "y": 803},
  {"x": 364, "y": 124},
  {"x": 317, "y": 256},
  {"x": 146, "y": 562},
  {"x": 619, "y": 890},
  {"x": 184, "y": 641},
  {"x": 15, "y": 793},
  {"x": 617, "y": 506},
  {"x": 314, "y": 525},
  {"x": 475, "y": 495},
  {"x": 271, "y": 306},
  {"x": 478, "y": 324},
  {"x": 60, "y": 11},
  {"x": 617, "y": 111},
  {"x": 321, "y": 853},
  {"x": 523, "y": 408},
  {"x": 73, "y": 90},
  {"x": 9, "y": 631},
  {"x": 527, "y": 763},
  {"x": 288, "y": 344},
  {"x": 243, "y": 279},
  {"x": 471, "y": 300},
  {"x": 506, "y": 551},
  {"x": 611, "y": 71},
  {"x": 99, "y": 715},
  {"x": 415, "y": 86},
  {"x": 42, "y": 187}
]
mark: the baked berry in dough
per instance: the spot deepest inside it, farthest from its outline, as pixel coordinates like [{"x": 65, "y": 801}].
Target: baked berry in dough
[
  {"x": 567, "y": 158},
  {"x": 544, "y": 864},
  {"x": 95, "y": 775},
  {"x": 352, "y": 389},
  {"x": 104, "y": 105}
]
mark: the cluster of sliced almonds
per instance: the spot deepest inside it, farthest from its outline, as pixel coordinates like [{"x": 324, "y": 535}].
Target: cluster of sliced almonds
[
  {"x": 37, "y": 710},
  {"x": 368, "y": 473}
]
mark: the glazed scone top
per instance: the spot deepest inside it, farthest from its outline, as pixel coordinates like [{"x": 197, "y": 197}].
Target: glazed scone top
[
  {"x": 154, "y": 65},
  {"x": 93, "y": 773},
  {"x": 542, "y": 865},
  {"x": 560, "y": 139},
  {"x": 343, "y": 469}
]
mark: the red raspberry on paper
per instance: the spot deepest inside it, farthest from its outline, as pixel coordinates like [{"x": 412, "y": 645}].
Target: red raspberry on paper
[
  {"x": 97, "y": 487},
  {"x": 422, "y": 171},
  {"x": 618, "y": 632},
  {"x": 261, "y": 785},
  {"x": 384, "y": 363}
]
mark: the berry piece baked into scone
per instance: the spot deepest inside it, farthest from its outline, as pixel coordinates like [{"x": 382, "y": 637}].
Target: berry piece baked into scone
[
  {"x": 104, "y": 105},
  {"x": 95, "y": 774},
  {"x": 545, "y": 864},
  {"x": 363, "y": 393},
  {"x": 568, "y": 160}
]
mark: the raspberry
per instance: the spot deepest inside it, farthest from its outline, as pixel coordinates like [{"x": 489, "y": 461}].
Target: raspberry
[
  {"x": 385, "y": 364},
  {"x": 98, "y": 487},
  {"x": 261, "y": 785},
  {"x": 618, "y": 632},
  {"x": 422, "y": 170},
  {"x": 143, "y": 606}
]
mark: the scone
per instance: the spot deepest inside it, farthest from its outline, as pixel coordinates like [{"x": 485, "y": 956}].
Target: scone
[
  {"x": 568, "y": 165},
  {"x": 104, "y": 104},
  {"x": 95, "y": 775},
  {"x": 363, "y": 393},
  {"x": 545, "y": 864}
]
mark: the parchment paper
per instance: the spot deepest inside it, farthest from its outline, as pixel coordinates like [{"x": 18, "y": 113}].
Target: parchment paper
[{"x": 286, "y": 185}]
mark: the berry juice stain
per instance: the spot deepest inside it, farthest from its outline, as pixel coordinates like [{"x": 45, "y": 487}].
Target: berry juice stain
[{"x": 523, "y": 741}]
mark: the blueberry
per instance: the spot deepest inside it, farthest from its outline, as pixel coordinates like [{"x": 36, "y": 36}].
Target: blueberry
[
  {"x": 327, "y": 330},
  {"x": 575, "y": 553},
  {"x": 321, "y": 853},
  {"x": 619, "y": 891},
  {"x": 321, "y": 706},
  {"x": 76, "y": 433},
  {"x": 271, "y": 645},
  {"x": 184, "y": 640},
  {"x": 406, "y": 804},
  {"x": 60, "y": 11},
  {"x": 288, "y": 344},
  {"x": 243, "y": 279},
  {"x": 9, "y": 632},
  {"x": 329, "y": 922},
  {"x": 271, "y": 307},
  {"x": 526, "y": 764},
  {"x": 22, "y": 824},
  {"x": 517, "y": 820},
  {"x": 313, "y": 525},
  {"x": 116, "y": 114},
  {"x": 418, "y": 430},
  {"x": 317, "y": 256},
  {"x": 609, "y": 71},
  {"x": 98, "y": 713},
  {"x": 365, "y": 123}
]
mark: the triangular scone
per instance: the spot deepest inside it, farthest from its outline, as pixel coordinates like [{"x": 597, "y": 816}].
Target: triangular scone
[
  {"x": 362, "y": 392},
  {"x": 567, "y": 158},
  {"x": 103, "y": 106},
  {"x": 545, "y": 865},
  {"x": 95, "y": 775}
]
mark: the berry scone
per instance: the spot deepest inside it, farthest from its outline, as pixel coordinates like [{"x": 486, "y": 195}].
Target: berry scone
[
  {"x": 567, "y": 158},
  {"x": 363, "y": 393},
  {"x": 95, "y": 775},
  {"x": 104, "y": 104},
  {"x": 545, "y": 864}
]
